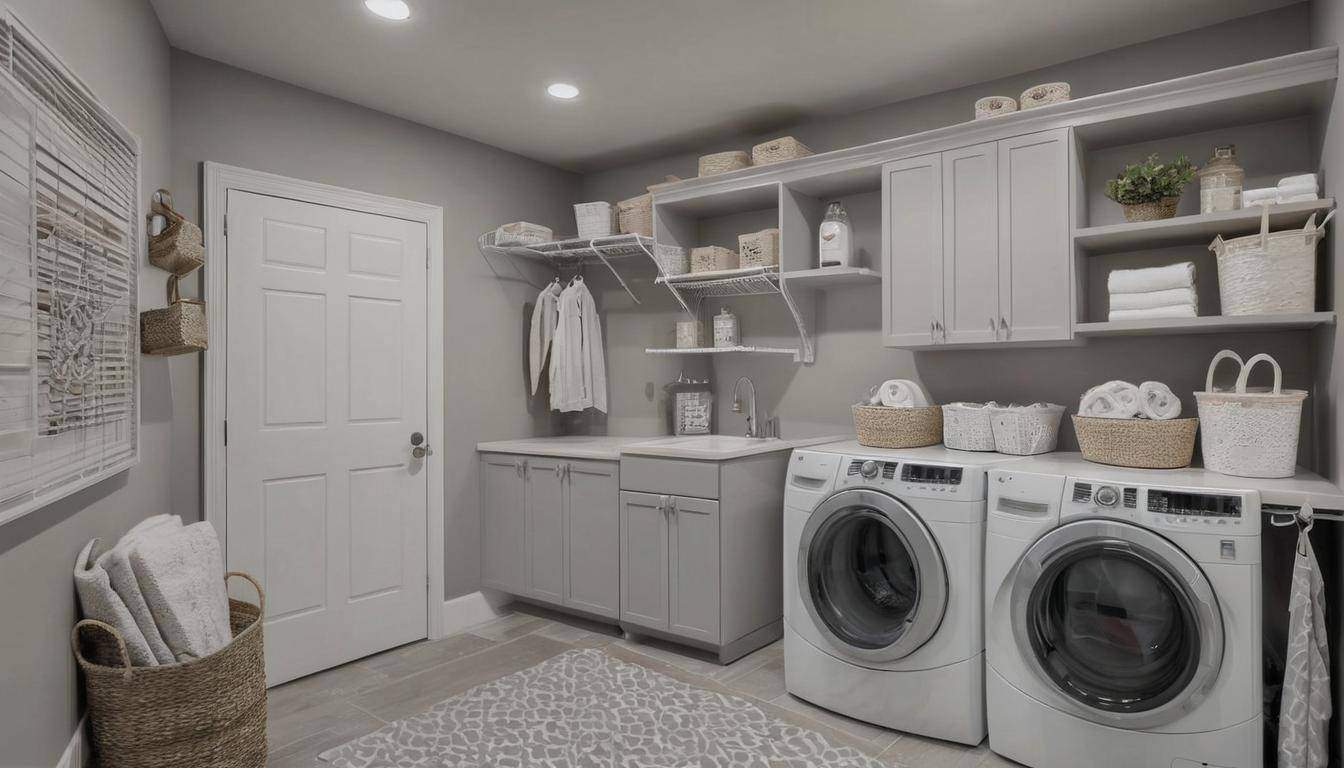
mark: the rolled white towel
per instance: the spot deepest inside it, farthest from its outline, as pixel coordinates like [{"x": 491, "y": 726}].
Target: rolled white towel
[
  {"x": 1154, "y": 313},
  {"x": 1169, "y": 298},
  {"x": 1099, "y": 403},
  {"x": 1180, "y": 275},
  {"x": 1300, "y": 180},
  {"x": 902, "y": 393},
  {"x": 1157, "y": 401},
  {"x": 1261, "y": 196}
]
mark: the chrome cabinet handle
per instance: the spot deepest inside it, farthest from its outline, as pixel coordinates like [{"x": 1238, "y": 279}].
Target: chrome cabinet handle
[
  {"x": 993, "y": 328},
  {"x": 1007, "y": 329},
  {"x": 559, "y": 470},
  {"x": 942, "y": 333},
  {"x": 932, "y": 332}
]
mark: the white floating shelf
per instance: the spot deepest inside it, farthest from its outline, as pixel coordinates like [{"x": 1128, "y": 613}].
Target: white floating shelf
[
  {"x": 1195, "y": 230},
  {"x": 1202, "y": 325},
  {"x": 797, "y": 355},
  {"x": 832, "y": 277}
]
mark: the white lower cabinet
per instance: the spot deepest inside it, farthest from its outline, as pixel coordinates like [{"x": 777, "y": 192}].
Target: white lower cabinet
[
  {"x": 670, "y": 545},
  {"x": 976, "y": 244},
  {"x": 550, "y": 531}
]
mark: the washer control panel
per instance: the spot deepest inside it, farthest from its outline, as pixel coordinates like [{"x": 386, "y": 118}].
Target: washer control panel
[
  {"x": 911, "y": 478},
  {"x": 1175, "y": 509}
]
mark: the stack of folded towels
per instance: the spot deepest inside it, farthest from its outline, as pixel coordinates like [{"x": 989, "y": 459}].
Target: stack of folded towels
[
  {"x": 1156, "y": 292},
  {"x": 1292, "y": 189},
  {"x": 161, "y": 587},
  {"x": 1122, "y": 400}
]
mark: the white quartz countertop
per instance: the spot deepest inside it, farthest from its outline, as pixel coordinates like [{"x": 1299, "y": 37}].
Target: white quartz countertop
[{"x": 698, "y": 447}]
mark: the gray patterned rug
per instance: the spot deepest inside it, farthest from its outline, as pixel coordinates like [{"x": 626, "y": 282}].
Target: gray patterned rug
[{"x": 585, "y": 708}]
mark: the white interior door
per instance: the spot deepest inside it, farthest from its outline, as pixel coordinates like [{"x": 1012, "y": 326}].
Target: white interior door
[{"x": 326, "y": 383}]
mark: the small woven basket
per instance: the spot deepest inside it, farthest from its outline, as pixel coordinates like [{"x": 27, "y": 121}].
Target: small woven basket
[
  {"x": 1026, "y": 430},
  {"x": 1045, "y": 93},
  {"x": 1247, "y": 433},
  {"x": 878, "y": 426},
  {"x": 778, "y": 150},
  {"x": 1138, "y": 443},
  {"x": 993, "y": 106},
  {"x": 594, "y": 219},
  {"x": 712, "y": 258},
  {"x": 177, "y": 329},
  {"x": 672, "y": 259},
  {"x": 967, "y": 427},
  {"x": 759, "y": 249},
  {"x": 1151, "y": 211},
  {"x": 207, "y": 713},
  {"x": 523, "y": 233},
  {"x": 723, "y": 162},
  {"x": 1269, "y": 273},
  {"x": 179, "y": 248},
  {"x": 636, "y": 215}
]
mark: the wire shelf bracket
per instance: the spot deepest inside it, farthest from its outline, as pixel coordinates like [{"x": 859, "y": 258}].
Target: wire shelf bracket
[{"x": 692, "y": 289}]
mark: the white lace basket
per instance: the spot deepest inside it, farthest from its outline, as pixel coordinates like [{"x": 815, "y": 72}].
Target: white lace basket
[
  {"x": 1249, "y": 434},
  {"x": 1268, "y": 273},
  {"x": 1023, "y": 430},
  {"x": 596, "y": 219},
  {"x": 967, "y": 427}
]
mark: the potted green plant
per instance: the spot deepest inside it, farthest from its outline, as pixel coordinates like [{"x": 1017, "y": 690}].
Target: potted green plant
[{"x": 1151, "y": 189}]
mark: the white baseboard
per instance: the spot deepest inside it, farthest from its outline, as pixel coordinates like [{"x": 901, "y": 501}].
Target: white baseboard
[
  {"x": 76, "y": 753},
  {"x": 471, "y": 609}
]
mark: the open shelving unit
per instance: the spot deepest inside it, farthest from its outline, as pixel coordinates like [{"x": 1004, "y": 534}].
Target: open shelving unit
[
  {"x": 832, "y": 277},
  {"x": 1203, "y": 325},
  {"x": 692, "y": 289},
  {"x": 1195, "y": 229}
]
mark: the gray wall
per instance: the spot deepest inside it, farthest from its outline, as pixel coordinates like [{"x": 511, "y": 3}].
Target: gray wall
[
  {"x": 814, "y": 399},
  {"x": 119, "y": 50},
  {"x": 235, "y": 117}
]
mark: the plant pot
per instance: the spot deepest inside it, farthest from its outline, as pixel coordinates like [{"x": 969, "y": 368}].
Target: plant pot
[{"x": 1152, "y": 210}]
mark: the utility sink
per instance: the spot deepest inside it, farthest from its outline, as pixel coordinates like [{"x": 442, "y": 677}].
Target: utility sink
[{"x": 708, "y": 447}]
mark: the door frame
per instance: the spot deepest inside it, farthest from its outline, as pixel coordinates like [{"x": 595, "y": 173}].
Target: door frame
[{"x": 219, "y": 179}]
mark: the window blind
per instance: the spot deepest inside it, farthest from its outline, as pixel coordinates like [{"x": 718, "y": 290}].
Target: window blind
[{"x": 69, "y": 257}]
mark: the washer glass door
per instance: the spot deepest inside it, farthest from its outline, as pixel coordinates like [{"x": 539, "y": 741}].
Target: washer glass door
[
  {"x": 1119, "y": 621},
  {"x": 872, "y": 576}
]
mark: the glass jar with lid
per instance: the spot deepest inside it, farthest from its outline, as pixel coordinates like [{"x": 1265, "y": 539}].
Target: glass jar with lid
[{"x": 1221, "y": 181}]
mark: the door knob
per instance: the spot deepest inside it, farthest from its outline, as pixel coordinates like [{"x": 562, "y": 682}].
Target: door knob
[{"x": 419, "y": 450}]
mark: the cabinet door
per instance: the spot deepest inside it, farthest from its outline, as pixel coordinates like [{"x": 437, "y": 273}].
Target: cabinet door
[
  {"x": 503, "y": 530},
  {"x": 644, "y": 564},
  {"x": 1034, "y": 249},
  {"x": 593, "y": 538},
  {"x": 912, "y": 251},
  {"x": 971, "y": 244},
  {"x": 545, "y": 503},
  {"x": 695, "y": 568}
]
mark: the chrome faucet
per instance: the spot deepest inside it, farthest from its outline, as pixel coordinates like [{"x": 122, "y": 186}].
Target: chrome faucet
[{"x": 737, "y": 404}]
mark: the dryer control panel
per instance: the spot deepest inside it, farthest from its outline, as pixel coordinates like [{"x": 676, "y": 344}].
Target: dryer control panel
[
  {"x": 913, "y": 479},
  {"x": 1176, "y": 509}
]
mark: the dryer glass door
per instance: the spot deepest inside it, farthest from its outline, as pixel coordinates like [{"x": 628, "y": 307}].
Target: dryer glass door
[
  {"x": 872, "y": 576},
  {"x": 1118, "y": 620}
]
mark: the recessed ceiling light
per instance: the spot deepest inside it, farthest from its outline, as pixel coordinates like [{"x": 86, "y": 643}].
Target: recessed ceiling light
[
  {"x": 562, "y": 90},
  {"x": 396, "y": 10}
]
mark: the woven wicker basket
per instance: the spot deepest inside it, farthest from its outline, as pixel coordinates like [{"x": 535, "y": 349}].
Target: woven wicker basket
[
  {"x": 759, "y": 249},
  {"x": 778, "y": 150},
  {"x": 1138, "y": 443},
  {"x": 176, "y": 329},
  {"x": 179, "y": 248},
  {"x": 207, "y": 713},
  {"x": 1247, "y": 433},
  {"x": 993, "y": 106},
  {"x": 1266, "y": 273},
  {"x": 523, "y": 233},
  {"x": 636, "y": 215},
  {"x": 712, "y": 258},
  {"x": 1151, "y": 211},
  {"x": 672, "y": 259},
  {"x": 881, "y": 427},
  {"x": 1045, "y": 93},
  {"x": 723, "y": 162},
  {"x": 594, "y": 219}
]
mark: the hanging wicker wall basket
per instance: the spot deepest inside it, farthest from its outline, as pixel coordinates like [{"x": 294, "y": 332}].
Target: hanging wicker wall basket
[
  {"x": 177, "y": 329},
  {"x": 180, "y": 247}
]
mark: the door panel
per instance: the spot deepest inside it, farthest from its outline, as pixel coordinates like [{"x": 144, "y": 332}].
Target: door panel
[
  {"x": 503, "y": 524},
  {"x": 970, "y": 244},
  {"x": 593, "y": 539},
  {"x": 326, "y": 381},
  {"x": 912, "y": 248},
  {"x": 545, "y": 537},
  {"x": 695, "y": 568},
  {"x": 644, "y": 560},
  {"x": 1034, "y": 250}
]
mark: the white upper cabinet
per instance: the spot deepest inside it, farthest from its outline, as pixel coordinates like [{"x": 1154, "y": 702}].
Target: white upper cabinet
[{"x": 976, "y": 244}]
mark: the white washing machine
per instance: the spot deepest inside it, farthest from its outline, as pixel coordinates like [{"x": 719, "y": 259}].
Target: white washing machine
[
  {"x": 1124, "y": 617},
  {"x": 883, "y": 565}
]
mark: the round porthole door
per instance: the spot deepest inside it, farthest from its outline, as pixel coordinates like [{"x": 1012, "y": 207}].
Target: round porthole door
[
  {"x": 1120, "y": 626},
  {"x": 871, "y": 576}
]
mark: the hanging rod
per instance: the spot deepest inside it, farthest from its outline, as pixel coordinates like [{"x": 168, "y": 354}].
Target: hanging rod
[{"x": 1283, "y": 515}]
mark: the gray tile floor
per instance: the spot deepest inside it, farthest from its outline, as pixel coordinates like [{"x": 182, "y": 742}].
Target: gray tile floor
[{"x": 325, "y": 710}]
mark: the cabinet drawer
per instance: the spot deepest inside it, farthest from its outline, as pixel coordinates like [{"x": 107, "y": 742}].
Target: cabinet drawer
[{"x": 677, "y": 477}]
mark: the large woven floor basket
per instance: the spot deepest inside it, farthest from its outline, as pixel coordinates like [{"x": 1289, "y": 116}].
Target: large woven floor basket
[
  {"x": 208, "y": 713},
  {"x": 877, "y": 426},
  {"x": 1140, "y": 443}
]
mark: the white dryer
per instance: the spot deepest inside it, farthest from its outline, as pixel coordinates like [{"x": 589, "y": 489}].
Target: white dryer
[
  {"x": 883, "y": 564},
  {"x": 1124, "y": 618}
]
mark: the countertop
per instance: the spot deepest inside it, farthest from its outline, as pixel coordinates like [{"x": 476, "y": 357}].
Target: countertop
[
  {"x": 604, "y": 448},
  {"x": 599, "y": 447}
]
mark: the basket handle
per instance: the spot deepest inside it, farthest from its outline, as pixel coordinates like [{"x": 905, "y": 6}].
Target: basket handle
[
  {"x": 1246, "y": 373},
  {"x": 261, "y": 594},
  {"x": 94, "y": 624},
  {"x": 1226, "y": 354}
]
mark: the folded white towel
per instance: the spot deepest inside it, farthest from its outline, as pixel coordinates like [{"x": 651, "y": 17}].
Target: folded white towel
[
  {"x": 1180, "y": 275},
  {"x": 1157, "y": 401},
  {"x": 1169, "y": 298},
  {"x": 1112, "y": 400},
  {"x": 1153, "y": 313},
  {"x": 902, "y": 393},
  {"x": 182, "y": 577},
  {"x": 1261, "y": 196},
  {"x": 117, "y": 562},
  {"x": 1305, "y": 197},
  {"x": 100, "y": 602},
  {"x": 1300, "y": 180}
]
